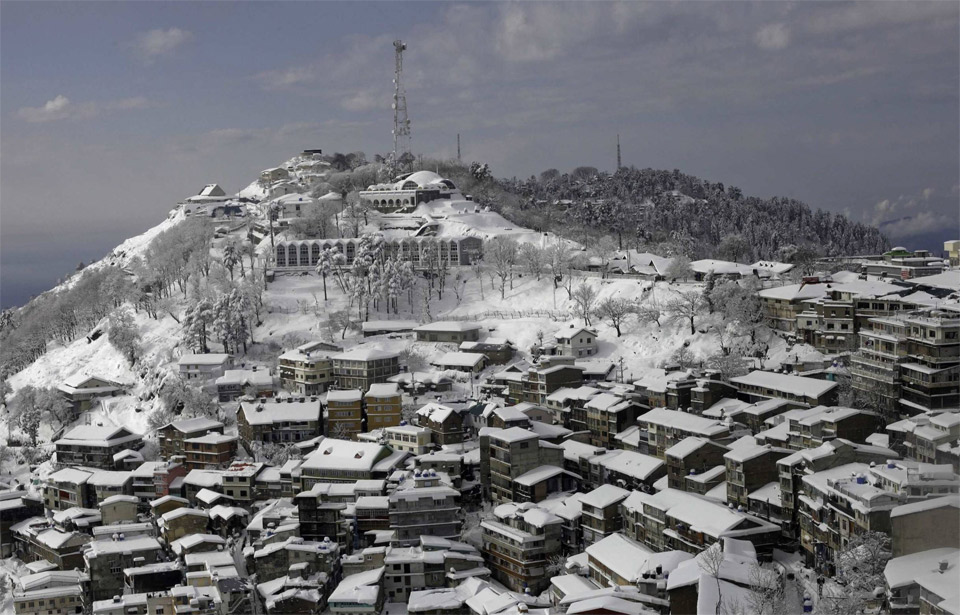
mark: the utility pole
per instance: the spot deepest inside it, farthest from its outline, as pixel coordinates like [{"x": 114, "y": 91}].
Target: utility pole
[
  {"x": 458, "y": 147},
  {"x": 401, "y": 123},
  {"x": 618, "y": 152}
]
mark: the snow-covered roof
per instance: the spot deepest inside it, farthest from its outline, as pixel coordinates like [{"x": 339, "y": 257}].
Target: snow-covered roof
[
  {"x": 684, "y": 421},
  {"x": 720, "y": 267},
  {"x": 104, "y": 434},
  {"x": 116, "y": 499},
  {"x": 444, "y": 326},
  {"x": 513, "y": 434},
  {"x": 263, "y": 412},
  {"x": 383, "y": 389},
  {"x": 925, "y": 505},
  {"x": 360, "y": 588},
  {"x": 204, "y": 359},
  {"x": 634, "y": 465},
  {"x": 460, "y": 359},
  {"x": 435, "y": 412},
  {"x": 345, "y": 396},
  {"x": 604, "y": 495},
  {"x": 795, "y": 292},
  {"x": 332, "y": 453},
  {"x": 785, "y": 383},
  {"x": 364, "y": 353},
  {"x": 538, "y": 475},
  {"x": 133, "y": 544}
]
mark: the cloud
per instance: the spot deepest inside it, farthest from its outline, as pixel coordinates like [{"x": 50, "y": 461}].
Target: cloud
[
  {"x": 156, "y": 43},
  {"x": 363, "y": 101},
  {"x": 286, "y": 77},
  {"x": 61, "y": 108},
  {"x": 908, "y": 215},
  {"x": 773, "y": 36}
]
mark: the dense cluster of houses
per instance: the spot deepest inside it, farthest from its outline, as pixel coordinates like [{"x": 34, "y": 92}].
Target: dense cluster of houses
[{"x": 556, "y": 486}]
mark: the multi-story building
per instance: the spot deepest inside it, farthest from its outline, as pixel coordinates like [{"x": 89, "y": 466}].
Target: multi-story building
[
  {"x": 665, "y": 428},
  {"x": 900, "y": 263},
  {"x": 427, "y": 509},
  {"x": 345, "y": 413},
  {"x": 53, "y": 592},
  {"x": 910, "y": 363},
  {"x": 210, "y": 451},
  {"x": 676, "y": 520},
  {"x": 36, "y": 540},
  {"x": 928, "y": 439},
  {"x": 692, "y": 456},
  {"x": 361, "y": 367},
  {"x": 576, "y": 342},
  {"x": 82, "y": 391},
  {"x": 506, "y": 454},
  {"x": 173, "y": 434},
  {"x": 202, "y": 367},
  {"x": 235, "y": 383},
  {"x": 792, "y": 468},
  {"x": 923, "y": 525},
  {"x": 95, "y": 445},
  {"x": 450, "y": 332},
  {"x": 282, "y": 421},
  {"x": 517, "y": 543},
  {"x": 106, "y": 560},
  {"x": 321, "y": 518},
  {"x": 68, "y": 488},
  {"x": 409, "y": 438},
  {"x": 303, "y": 254},
  {"x": 600, "y": 513},
  {"x": 607, "y": 415},
  {"x": 383, "y": 404},
  {"x": 830, "y": 423},
  {"x": 748, "y": 468},
  {"x": 782, "y": 304},
  {"x": 445, "y": 423},
  {"x": 239, "y": 482},
  {"x": 345, "y": 461},
  {"x": 307, "y": 369},
  {"x": 759, "y": 385},
  {"x": 539, "y": 382}
]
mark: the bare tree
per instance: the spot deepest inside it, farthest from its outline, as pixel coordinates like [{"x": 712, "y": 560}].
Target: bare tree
[
  {"x": 503, "y": 253},
  {"x": 711, "y": 563},
  {"x": 584, "y": 298},
  {"x": 533, "y": 258},
  {"x": 686, "y": 306},
  {"x": 766, "y": 595},
  {"x": 615, "y": 312},
  {"x": 648, "y": 311}
]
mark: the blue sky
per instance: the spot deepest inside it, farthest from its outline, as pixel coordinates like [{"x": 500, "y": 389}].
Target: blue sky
[{"x": 111, "y": 112}]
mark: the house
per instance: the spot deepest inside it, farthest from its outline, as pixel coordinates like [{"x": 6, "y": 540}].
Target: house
[
  {"x": 607, "y": 415},
  {"x": 427, "y": 509},
  {"x": 282, "y": 421},
  {"x": 472, "y": 363},
  {"x": 666, "y": 428},
  {"x": 517, "y": 542},
  {"x": 600, "y": 513},
  {"x": 359, "y": 594},
  {"x": 35, "y": 539},
  {"x": 539, "y": 382},
  {"x": 748, "y": 468},
  {"x": 181, "y": 522},
  {"x": 619, "y": 562},
  {"x": 172, "y": 435},
  {"x": 345, "y": 413},
  {"x": 361, "y": 367},
  {"x": 15, "y": 506},
  {"x": 409, "y": 438},
  {"x": 204, "y": 366},
  {"x": 576, "y": 342},
  {"x": 383, "y": 403},
  {"x": 693, "y": 456},
  {"x": 498, "y": 350},
  {"x": 345, "y": 461},
  {"x": 407, "y": 191},
  {"x": 451, "y": 332},
  {"x": 106, "y": 559},
  {"x": 120, "y": 508},
  {"x": 95, "y": 445},
  {"x": 307, "y": 369},
  {"x": 273, "y": 174},
  {"x": 923, "y": 582},
  {"x": 445, "y": 423},
  {"x": 82, "y": 391},
  {"x": 387, "y": 327},
  {"x": 210, "y": 451},
  {"x": 927, "y": 524},
  {"x": 235, "y": 383},
  {"x": 759, "y": 385},
  {"x": 51, "y": 592},
  {"x": 508, "y": 454}
]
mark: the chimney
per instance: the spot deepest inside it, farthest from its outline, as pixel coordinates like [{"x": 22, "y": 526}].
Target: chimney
[{"x": 944, "y": 564}]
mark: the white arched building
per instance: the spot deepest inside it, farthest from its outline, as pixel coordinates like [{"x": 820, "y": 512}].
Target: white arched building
[
  {"x": 305, "y": 253},
  {"x": 408, "y": 191}
]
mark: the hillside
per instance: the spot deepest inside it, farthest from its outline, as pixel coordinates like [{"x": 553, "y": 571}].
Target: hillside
[
  {"x": 156, "y": 281},
  {"x": 667, "y": 212}
]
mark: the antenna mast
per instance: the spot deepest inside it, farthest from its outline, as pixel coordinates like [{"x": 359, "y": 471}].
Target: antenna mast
[
  {"x": 458, "y": 147},
  {"x": 401, "y": 123},
  {"x": 618, "y": 152}
]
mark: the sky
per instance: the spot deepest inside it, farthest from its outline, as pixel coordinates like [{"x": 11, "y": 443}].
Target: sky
[{"x": 111, "y": 112}]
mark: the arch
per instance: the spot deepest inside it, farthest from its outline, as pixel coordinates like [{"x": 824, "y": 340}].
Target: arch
[
  {"x": 314, "y": 254},
  {"x": 281, "y": 256},
  {"x": 304, "y": 254}
]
